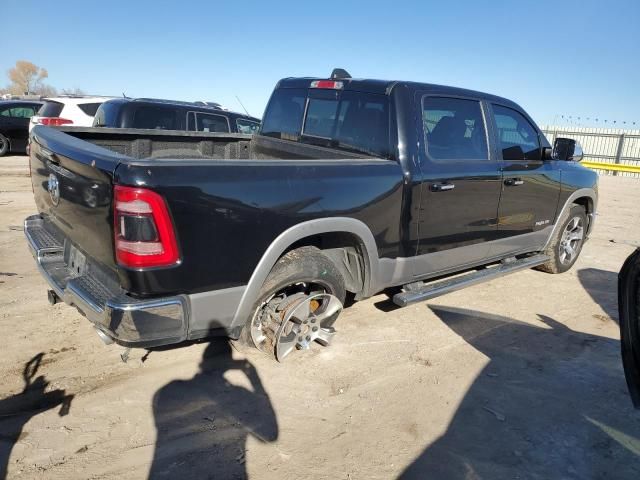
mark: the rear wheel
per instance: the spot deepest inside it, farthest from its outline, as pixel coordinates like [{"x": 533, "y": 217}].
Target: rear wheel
[
  {"x": 4, "y": 145},
  {"x": 565, "y": 247},
  {"x": 298, "y": 304}
]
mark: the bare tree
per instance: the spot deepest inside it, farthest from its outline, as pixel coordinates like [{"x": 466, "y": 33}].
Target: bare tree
[
  {"x": 27, "y": 78},
  {"x": 47, "y": 91}
]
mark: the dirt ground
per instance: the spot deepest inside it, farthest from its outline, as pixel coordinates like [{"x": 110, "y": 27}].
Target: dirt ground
[{"x": 517, "y": 378}]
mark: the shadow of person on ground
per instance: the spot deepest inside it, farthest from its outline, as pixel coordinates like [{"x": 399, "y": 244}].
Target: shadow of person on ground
[
  {"x": 602, "y": 285},
  {"x": 550, "y": 404},
  {"x": 17, "y": 410},
  {"x": 203, "y": 423}
]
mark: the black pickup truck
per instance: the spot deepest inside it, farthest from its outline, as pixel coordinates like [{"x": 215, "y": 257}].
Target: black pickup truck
[{"x": 351, "y": 187}]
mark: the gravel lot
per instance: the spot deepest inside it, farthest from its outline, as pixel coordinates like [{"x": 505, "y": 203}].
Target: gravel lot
[{"x": 517, "y": 378}]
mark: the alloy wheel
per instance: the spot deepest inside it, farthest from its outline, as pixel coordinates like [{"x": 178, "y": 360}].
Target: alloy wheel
[
  {"x": 571, "y": 240},
  {"x": 293, "y": 318}
]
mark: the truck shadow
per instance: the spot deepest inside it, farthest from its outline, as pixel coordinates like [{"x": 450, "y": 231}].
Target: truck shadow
[
  {"x": 550, "y": 404},
  {"x": 203, "y": 423},
  {"x": 18, "y": 409},
  {"x": 602, "y": 285}
]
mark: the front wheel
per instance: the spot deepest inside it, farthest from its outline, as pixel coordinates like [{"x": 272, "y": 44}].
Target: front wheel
[
  {"x": 298, "y": 304},
  {"x": 565, "y": 247}
]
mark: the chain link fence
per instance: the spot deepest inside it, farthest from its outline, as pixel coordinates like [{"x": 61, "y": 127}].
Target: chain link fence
[{"x": 613, "y": 148}]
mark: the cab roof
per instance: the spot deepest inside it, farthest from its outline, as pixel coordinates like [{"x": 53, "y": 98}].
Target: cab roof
[{"x": 385, "y": 87}]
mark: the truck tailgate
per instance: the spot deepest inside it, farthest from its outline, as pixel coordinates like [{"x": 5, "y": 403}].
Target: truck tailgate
[{"x": 72, "y": 186}]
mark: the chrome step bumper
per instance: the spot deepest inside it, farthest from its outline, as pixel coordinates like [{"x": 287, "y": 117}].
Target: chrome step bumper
[
  {"x": 127, "y": 320},
  {"x": 435, "y": 289}
]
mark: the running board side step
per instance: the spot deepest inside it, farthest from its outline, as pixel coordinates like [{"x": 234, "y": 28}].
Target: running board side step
[{"x": 417, "y": 292}]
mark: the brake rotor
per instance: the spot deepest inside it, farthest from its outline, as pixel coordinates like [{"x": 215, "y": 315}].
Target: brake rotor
[{"x": 283, "y": 325}]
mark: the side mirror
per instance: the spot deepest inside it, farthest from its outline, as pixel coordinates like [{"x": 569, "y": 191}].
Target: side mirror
[{"x": 567, "y": 149}]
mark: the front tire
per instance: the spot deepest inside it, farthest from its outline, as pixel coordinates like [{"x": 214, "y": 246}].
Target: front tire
[{"x": 565, "y": 247}]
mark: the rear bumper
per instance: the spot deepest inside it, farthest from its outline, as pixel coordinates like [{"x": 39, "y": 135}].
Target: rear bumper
[{"x": 127, "y": 320}]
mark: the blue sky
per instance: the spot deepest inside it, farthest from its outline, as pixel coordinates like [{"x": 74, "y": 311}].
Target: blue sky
[{"x": 572, "y": 58}]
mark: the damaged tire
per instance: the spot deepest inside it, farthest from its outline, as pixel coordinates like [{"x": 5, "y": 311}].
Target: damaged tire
[{"x": 298, "y": 304}]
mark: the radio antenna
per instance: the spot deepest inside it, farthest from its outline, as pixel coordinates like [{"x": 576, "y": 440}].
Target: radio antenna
[{"x": 240, "y": 102}]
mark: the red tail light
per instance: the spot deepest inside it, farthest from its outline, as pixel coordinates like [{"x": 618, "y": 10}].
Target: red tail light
[
  {"x": 53, "y": 121},
  {"x": 144, "y": 234}
]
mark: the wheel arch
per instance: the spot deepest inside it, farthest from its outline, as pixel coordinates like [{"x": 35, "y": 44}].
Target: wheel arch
[
  {"x": 586, "y": 197},
  {"x": 319, "y": 232},
  {"x": 588, "y": 203}
]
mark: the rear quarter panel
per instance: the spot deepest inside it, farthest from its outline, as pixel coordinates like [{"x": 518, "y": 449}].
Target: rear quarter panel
[{"x": 226, "y": 213}]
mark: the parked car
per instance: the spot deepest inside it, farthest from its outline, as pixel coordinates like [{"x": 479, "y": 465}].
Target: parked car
[
  {"x": 74, "y": 110},
  {"x": 156, "y": 114},
  {"x": 629, "y": 313},
  {"x": 351, "y": 186},
  {"x": 14, "y": 124}
]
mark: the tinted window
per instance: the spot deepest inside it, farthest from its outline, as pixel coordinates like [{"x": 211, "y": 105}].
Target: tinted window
[
  {"x": 363, "y": 122},
  {"x": 89, "y": 108},
  {"x": 454, "y": 129},
  {"x": 212, "y": 123},
  {"x": 51, "y": 109},
  {"x": 153, "y": 117},
  {"x": 353, "y": 121},
  {"x": 321, "y": 117},
  {"x": 247, "y": 126},
  {"x": 517, "y": 137},
  {"x": 283, "y": 117},
  {"x": 107, "y": 114},
  {"x": 19, "y": 112}
]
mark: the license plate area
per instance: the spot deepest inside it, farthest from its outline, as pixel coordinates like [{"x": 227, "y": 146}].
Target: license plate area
[{"x": 76, "y": 261}]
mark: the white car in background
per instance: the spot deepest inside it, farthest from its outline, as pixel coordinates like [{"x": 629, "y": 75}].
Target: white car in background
[{"x": 72, "y": 110}]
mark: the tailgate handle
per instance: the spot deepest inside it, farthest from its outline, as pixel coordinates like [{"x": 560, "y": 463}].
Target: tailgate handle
[
  {"x": 49, "y": 155},
  {"x": 442, "y": 187}
]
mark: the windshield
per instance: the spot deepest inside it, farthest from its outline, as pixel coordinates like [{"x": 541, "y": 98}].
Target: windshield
[{"x": 354, "y": 121}]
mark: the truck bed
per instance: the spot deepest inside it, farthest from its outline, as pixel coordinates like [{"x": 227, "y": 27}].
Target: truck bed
[{"x": 166, "y": 144}]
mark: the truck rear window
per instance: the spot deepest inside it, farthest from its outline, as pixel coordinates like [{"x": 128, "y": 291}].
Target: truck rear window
[{"x": 349, "y": 120}]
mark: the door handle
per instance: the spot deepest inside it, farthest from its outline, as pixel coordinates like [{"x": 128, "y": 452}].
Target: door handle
[
  {"x": 442, "y": 187},
  {"x": 513, "y": 182}
]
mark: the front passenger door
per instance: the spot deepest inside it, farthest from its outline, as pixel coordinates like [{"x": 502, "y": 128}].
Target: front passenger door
[{"x": 530, "y": 185}]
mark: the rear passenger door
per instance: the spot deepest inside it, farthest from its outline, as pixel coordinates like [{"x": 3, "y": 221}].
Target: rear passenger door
[
  {"x": 530, "y": 185},
  {"x": 461, "y": 183}
]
